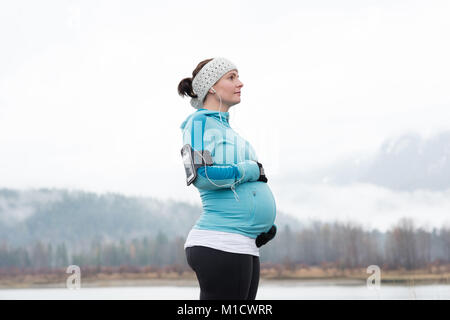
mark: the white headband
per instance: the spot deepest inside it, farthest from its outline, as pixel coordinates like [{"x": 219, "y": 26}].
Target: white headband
[{"x": 208, "y": 75}]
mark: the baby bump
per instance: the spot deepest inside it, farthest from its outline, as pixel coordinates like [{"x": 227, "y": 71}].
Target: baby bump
[{"x": 264, "y": 209}]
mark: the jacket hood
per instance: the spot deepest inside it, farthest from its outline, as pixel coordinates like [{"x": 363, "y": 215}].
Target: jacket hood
[{"x": 209, "y": 113}]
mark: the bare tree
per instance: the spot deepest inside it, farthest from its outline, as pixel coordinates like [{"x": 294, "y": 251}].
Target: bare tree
[{"x": 401, "y": 244}]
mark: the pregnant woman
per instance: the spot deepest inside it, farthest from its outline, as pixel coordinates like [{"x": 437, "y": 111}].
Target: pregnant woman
[{"x": 238, "y": 206}]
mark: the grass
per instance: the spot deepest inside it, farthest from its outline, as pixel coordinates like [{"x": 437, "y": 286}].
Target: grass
[{"x": 400, "y": 276}]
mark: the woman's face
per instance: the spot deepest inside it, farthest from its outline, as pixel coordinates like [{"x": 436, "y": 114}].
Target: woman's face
[{"x": 229, "y": 88}]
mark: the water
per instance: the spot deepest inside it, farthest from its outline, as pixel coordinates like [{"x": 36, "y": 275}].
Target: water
[{"x": 277, "y": 290}]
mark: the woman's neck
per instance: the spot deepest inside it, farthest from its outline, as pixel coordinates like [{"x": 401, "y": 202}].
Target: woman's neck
[
  {"x": 216, "y": 108},
  {"x": 214, "y": 105}
]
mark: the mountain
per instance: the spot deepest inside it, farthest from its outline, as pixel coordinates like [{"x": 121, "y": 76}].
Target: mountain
[{"x": 406, "y": 163}]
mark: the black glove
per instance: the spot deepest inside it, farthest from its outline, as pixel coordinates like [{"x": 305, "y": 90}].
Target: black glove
[
  {"x": 265, "y": 237},
  {"x": 262, "y": 175}
]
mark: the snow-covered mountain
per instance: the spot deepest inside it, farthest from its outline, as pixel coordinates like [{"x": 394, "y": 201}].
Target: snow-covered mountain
[{"x": 408, "y": 162}]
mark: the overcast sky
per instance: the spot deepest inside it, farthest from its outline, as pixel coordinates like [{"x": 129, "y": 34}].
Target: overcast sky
[{"x": 88, "y": 88}]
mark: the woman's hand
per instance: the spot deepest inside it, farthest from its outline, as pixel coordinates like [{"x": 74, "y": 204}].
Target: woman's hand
[
  {"x": 265, "y": 237},
  {"x": 262, "y": 174}
]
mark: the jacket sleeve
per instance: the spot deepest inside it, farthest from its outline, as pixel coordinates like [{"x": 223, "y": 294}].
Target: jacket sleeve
[
  {"x": 223, "y": 176},
  {"x": 218, "y": 176}
]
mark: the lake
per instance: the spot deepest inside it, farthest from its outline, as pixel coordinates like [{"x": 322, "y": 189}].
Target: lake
[{"x": 269, "y": 290}]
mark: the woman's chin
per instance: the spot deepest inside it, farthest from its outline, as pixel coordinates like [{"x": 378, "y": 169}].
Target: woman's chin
[{"x": 236, "y": 101}]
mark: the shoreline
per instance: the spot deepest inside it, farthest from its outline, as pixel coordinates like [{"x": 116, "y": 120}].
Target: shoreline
[
  {"x": 309, "y": 276},
  {"x": 304, "y": 275},
  {"x": 194, "y": 283}
]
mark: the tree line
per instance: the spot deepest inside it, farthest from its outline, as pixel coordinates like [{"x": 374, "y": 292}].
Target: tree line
[{"x": 343, "y": 245}]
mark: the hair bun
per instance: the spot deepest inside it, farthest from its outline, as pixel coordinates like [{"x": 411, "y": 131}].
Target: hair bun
[{"x": 185, "y": 88}]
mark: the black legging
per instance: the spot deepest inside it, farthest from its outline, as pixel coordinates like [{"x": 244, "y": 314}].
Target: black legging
[{"x": 224, "y": 275}]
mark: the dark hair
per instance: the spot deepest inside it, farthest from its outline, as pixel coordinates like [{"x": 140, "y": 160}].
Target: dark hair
[{"x": 185, "y": 85}]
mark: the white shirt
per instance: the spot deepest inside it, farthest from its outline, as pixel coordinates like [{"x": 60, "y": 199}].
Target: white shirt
[{"x": 225, "y": 241}]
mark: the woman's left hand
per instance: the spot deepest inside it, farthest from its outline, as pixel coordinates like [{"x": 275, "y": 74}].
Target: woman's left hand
[{"x": 265, "y": 237}]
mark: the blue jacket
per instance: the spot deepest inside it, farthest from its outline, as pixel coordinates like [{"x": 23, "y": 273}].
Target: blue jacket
[{"x": 233, "y": 200}]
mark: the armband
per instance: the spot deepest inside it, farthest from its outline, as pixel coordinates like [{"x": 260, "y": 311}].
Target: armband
[{"x": 192, "y": 160}]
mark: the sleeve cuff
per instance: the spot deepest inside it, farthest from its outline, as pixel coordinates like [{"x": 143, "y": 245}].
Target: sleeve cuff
[{"x": 248, "y": 169}]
